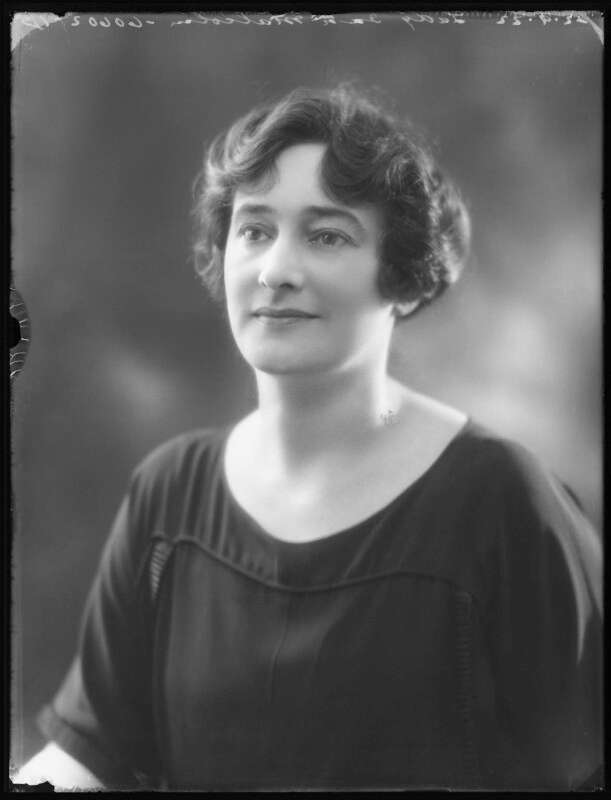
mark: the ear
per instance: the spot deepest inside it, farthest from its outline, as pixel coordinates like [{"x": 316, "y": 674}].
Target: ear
[{"x": 405, "y": 308}]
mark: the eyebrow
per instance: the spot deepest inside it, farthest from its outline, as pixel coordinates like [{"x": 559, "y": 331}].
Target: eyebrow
[{"x": 318, "y": 212}]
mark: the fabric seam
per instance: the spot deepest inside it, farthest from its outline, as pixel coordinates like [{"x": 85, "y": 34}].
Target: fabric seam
[{"x": 189, "y": 540}]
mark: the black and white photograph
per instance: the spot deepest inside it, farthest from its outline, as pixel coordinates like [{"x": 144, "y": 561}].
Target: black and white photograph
[{"x": 306, "y": 413}]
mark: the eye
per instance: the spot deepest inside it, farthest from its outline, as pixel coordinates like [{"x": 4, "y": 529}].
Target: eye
[
  {"x": 330, "y": 240},
  {"x": 253, "y": 233}
]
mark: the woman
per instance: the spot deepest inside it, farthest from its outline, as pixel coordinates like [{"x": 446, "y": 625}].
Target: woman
[{"x": 355, "y": 586}]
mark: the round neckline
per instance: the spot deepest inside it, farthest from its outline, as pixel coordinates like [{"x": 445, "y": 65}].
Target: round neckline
[{"x": 342, "y": 534}]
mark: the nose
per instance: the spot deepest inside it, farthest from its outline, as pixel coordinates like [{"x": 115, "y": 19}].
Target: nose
[{"x": 280, "y": 266}]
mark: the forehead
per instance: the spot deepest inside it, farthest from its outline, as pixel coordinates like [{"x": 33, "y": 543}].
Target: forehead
[
  {"x": 295, "y": 171},
  {"x": 295, "y": 183}
]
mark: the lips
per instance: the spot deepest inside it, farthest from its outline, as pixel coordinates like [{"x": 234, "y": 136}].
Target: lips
[{"x": 283, "y": 313}]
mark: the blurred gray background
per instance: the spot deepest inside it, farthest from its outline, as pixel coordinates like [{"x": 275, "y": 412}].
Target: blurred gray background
[{"x": 109, "y": 125}]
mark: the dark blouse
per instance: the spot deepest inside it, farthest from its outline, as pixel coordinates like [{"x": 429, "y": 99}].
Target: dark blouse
[{"x": 452, "y": 639}]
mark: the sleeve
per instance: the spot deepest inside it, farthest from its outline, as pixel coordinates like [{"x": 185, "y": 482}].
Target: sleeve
[
  {"x": 545, "y": 632},
  {"x": 102, "y": 713}
]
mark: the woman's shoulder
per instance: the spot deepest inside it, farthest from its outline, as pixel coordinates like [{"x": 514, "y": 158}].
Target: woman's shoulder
[
  {"x": 483, "y": 484},
  {"x": 492, "y": 459},
  {"x": 513, "y": 474},
  {"x": 494, "y": 482},
  {"x": 491, "y": 500},
  {"x": 467, "y": 453},
  {"x": 530, "y": 504},
  {"x": 178, "y": 456},
  {"x": 511, "y": 485}
]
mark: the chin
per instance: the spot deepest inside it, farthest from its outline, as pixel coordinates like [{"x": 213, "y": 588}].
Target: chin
[{"x": 284, "y": 361}]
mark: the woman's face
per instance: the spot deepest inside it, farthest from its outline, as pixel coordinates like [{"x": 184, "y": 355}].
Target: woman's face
[{"x": 300, "y": 273}]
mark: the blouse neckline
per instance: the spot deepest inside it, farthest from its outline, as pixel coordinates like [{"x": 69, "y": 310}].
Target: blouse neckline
[{"x": 337, "y": 537}]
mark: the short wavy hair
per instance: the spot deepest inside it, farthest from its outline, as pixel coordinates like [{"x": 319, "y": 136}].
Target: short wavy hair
[{"x": 371, "y": 157}]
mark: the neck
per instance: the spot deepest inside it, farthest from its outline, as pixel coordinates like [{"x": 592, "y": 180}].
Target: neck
[{"x": 303, "y": 418}]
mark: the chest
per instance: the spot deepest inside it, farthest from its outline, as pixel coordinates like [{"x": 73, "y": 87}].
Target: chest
[
  {"x": 364, "y": 682},
  {"x": 332, "y": 499}
]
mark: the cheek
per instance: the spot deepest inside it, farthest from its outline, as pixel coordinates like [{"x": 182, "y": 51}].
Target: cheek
[
  {"x": 355, "y": 289},
  {"x": 233, "y": 298},
  {"x": 233, "y": 276}
]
